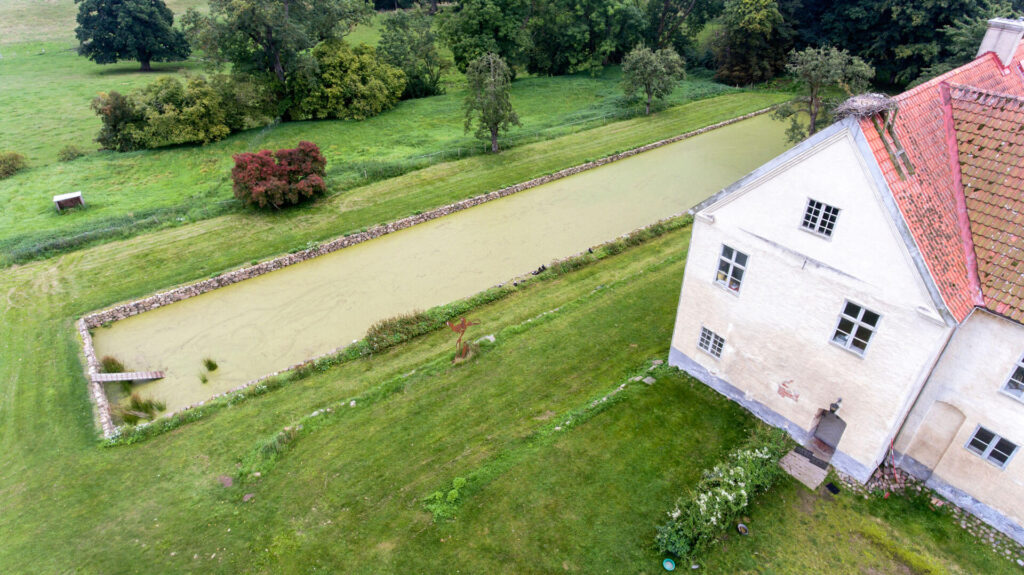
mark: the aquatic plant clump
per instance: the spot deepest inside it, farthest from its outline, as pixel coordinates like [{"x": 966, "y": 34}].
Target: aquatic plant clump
[{"x": 110, "y": 364}]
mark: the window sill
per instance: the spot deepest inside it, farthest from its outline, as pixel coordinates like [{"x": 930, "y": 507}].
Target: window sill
[
  {"x": 727, "y": 289},
  {"x": 815, "y": 234},
  {"x": 856, "y": 354},
  {"x": 1017, "y": 398}
]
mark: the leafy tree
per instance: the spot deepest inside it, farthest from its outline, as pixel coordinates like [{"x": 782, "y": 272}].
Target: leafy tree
[
  {"x": 655, "y": 74},
  {"x": 118, "y": 115},
  {"x": 473, "y": 28},
  {"x": 901, "y": 36},
  {"x": 273, "y": 38},
  {"x": 670, "y": 22},
  {"x": 821, "y": 72},
  {"x": 348, "y": 83},
  {"x": 757, "y": 35},
  {"x": 407, "y": 42},
  {"x": 962, "y": 38},
  {"x": 487, "y": 103},
  {"x": 573, "y": 35},
  {"x": 112, "y": 30},
  {"x": 276, "y": 179}
]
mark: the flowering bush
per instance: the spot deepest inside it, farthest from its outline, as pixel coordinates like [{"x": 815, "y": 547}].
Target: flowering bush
[
  {"x": 279, "y": 178},
  {"x": 723, "y": 493}
]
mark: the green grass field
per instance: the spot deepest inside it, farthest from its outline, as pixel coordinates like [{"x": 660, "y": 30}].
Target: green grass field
[{"x": 346, "y": 497}]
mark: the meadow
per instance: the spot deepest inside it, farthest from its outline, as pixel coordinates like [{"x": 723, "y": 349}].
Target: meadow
[
  {"x": 347, "y": 496},
  {"x": 127, "y": 192}
]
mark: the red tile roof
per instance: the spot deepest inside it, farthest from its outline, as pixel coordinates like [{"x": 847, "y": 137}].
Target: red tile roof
[
  {"x": 946, "y": 224},
  {"x": 990, "y": 141}
]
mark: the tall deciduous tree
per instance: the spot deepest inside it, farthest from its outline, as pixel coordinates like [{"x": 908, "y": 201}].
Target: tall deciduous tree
[
  {"x": 112, "y": 30},
  {"x": 755, "y": 38},
  {"x": 667, "y": 20},
  {"x": 407, "y": 42},
  {"x": 488, "y": 104},
  {"x": 574, "y": 35},
  {"x": 473, "y": 28},
  {"x": 348, "y": 84},
  {"x": 274, "y": 37},
  {"x": 655, "y": 74},
  {"x": 820, "y": 70}
]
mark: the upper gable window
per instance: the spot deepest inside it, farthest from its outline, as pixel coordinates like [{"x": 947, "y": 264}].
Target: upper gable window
[
  {"x": 820, "y": 218},
  {"x": 991, "y": 447},
  {"x": 856, "y": 326},
  {"x": 1015, "y": 385},
  {"x": 731, "y": 266}
]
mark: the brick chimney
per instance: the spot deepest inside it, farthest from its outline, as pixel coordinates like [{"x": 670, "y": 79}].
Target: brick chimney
[{"x": 1002, "y": 37}]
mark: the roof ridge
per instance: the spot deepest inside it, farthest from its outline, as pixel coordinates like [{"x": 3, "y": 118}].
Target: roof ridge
[
  {"x": 987, "y": 57},
  {"x": 957, "y": 92}
]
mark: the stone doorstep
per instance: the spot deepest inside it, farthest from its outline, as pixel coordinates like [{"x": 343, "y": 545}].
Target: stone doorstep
[{"x": 803, "y": 470}]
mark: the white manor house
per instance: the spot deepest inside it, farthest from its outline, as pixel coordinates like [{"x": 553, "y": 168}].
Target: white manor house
[{"x": 865, "y": 290}]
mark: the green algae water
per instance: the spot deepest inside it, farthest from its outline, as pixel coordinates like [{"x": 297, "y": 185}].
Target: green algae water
[{"x": 267, "y": 323}]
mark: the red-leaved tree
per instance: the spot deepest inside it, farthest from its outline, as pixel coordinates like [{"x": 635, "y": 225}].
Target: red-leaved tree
[{"x": 279, "y": 178}]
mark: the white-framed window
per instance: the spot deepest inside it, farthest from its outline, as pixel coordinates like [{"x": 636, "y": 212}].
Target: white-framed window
[
  {"x": 820, "y": 218},
  {"x": 992, "y": 448},
  {"x": 732, "y": 264},
  {"x": 856, "y": 326},
  {"x": 711, "y": 342},
  {"x": 1015, "y": 384}
]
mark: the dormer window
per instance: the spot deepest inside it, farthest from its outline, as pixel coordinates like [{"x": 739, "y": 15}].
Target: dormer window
[
  {"x": 820, "y": 218},
  {"x": 1015, "y": 385}
]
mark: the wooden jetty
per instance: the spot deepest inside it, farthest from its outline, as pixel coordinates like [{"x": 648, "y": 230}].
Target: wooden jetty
[{"x": 128, "y": 376}]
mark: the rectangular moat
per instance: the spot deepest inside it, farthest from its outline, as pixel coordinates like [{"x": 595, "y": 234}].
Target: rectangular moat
[{"x": 266, "y": 323}]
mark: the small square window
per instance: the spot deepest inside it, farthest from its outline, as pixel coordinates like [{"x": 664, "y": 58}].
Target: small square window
[
  {"x": 855, "y": 328},
  {"x": 711, "y": 342},
  {"x": 820, "y": 218},
  {"x": 731, "y": 266},
  {"x": 1015, "y": 384},
  {"x": 991, "y": 447}
]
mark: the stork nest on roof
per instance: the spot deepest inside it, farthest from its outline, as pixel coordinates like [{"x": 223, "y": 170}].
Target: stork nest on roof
[{"x": 865, "y": 105}]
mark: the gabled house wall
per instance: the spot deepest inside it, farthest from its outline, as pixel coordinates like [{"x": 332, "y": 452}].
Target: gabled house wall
[
  {"x": 965, "y": 391},
  {"x": 778, "y": 360}
]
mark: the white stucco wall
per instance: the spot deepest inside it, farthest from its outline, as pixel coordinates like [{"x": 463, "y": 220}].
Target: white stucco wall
[
  {"x": 779, "y": 326},
  {"x": 969, "y": 377}
]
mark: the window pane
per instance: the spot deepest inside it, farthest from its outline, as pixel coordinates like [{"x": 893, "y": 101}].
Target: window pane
[
  {"x": 727, "y": 252},
  {"x": 1005, "y": 446},
  {"x": 870, "y": 318},
  {"x": 741, "y": 258},
  {"x": 863, "y": 333},
  {"x": 859, "y": 344},
  {"x": 1014, "y": 388},
  {"x": 985, "y": 436},
  {"x": 977, "y": 445},
  {"x": 999, "y": 458},
  {"x": 851, "y": 310}
]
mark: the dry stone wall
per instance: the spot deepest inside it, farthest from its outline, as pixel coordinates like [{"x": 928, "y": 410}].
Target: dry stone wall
[{"x": 126, "y": 310}]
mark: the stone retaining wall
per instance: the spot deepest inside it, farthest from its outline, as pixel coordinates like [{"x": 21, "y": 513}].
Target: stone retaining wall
[{"x": 126, "y": 310}]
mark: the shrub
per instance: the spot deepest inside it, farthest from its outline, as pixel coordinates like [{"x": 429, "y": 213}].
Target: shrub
[
  {"x": 281, "y": 178},
  {"x": 350, "y": 83},
  {"x": 11, "y": 163},
  {"x": 170, "y": 112},
  {"x": 723, "y": 494},
  {"x": 109, "y": 364},
  {"x": 69, "y": 153}
]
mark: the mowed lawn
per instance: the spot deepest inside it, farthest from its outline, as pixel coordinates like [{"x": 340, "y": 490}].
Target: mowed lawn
[
  {"x": 346, "y": 497},
  {"x": 28, "y": 221}
]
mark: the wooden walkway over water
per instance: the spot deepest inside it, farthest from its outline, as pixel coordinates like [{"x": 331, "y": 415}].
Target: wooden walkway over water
[{"x": 128, "y": 376}]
